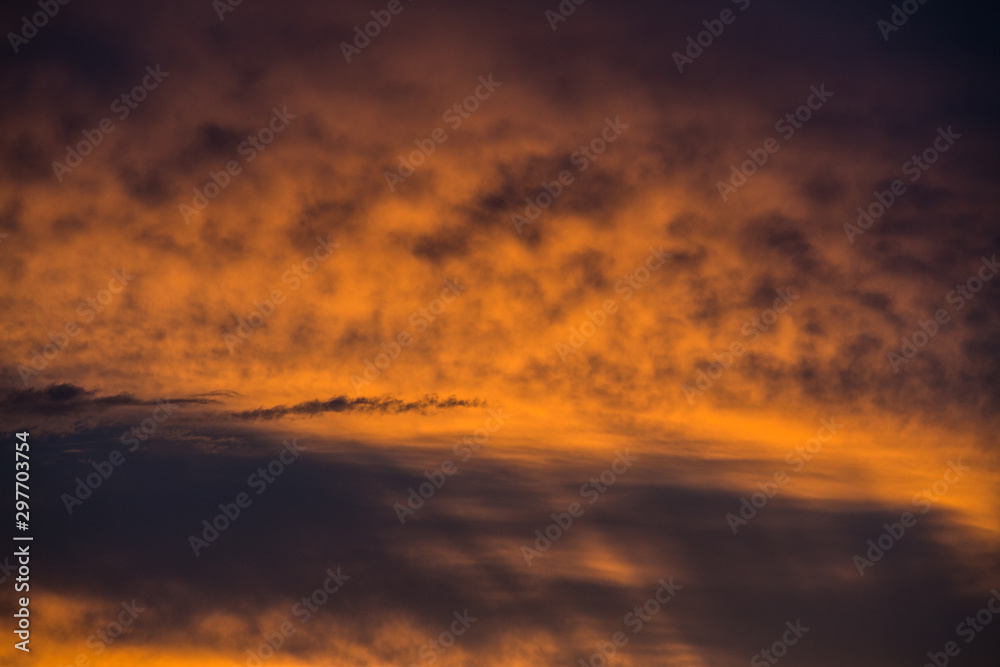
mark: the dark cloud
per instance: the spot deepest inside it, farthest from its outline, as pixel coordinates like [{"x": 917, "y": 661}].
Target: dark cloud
[
  {"x": 793, "y": 561},
  {"x": 380, "y": 404},
  {"x": 70, "y": 399},
  {"x": 441, "y": 245}
]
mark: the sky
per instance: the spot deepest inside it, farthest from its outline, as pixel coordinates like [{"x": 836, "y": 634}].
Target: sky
[{"x": 414, "y": 332}]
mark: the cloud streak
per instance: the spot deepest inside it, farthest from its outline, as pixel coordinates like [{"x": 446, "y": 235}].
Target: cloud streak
[{"x": 380, "y": 404}]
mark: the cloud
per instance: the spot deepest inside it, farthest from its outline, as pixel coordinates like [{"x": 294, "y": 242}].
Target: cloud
[
  {"x": 381, "y": 404},
  {"x": 68, "y": 398},
  {"x": 462, "y": 550},
  {"x": 250, "y": 248}
]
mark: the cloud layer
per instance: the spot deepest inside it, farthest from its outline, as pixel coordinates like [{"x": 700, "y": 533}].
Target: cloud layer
[{"x": 584, "y": 249}]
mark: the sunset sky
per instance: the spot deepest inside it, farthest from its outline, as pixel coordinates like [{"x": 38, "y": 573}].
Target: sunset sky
[{"x": 507, "y": 324}]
